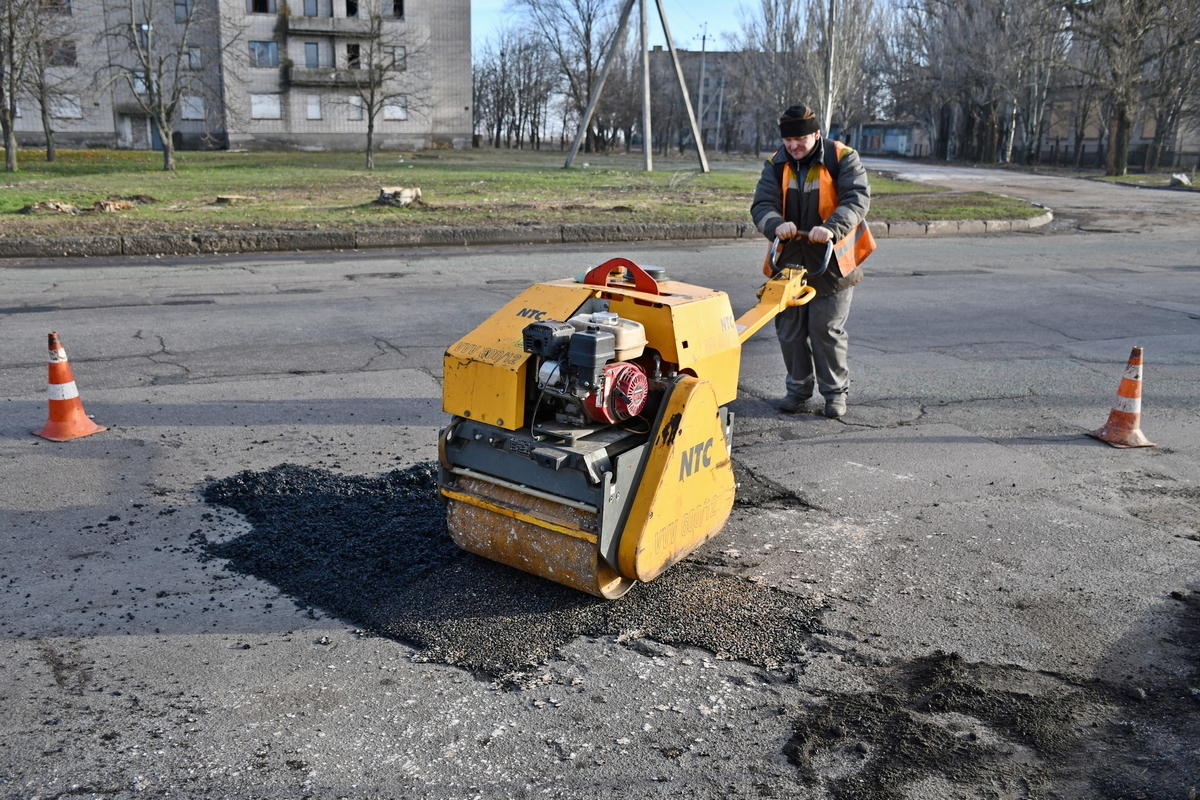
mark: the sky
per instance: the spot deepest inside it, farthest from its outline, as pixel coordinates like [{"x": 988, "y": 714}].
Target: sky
[{"x": 686, "y": 19}]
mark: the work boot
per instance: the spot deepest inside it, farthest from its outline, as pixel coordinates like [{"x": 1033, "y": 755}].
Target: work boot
[
  {"x": 793, "y": 404},
  {"x": 835, "y": 406}
]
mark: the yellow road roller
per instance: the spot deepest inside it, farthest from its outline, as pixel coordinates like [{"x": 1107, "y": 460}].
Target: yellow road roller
[{"x": 591, "y": 433}]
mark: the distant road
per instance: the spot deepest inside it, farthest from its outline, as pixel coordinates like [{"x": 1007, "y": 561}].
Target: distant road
[{"x": 1089, "y": 205}]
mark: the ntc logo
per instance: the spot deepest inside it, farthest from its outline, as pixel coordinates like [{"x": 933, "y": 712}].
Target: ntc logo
[
  {"x": 532, "y": 313},
  {"x": 693, "y": 458}
]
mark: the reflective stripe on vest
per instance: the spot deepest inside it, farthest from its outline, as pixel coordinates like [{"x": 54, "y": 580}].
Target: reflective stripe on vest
[{"x": 853, "y": 249}]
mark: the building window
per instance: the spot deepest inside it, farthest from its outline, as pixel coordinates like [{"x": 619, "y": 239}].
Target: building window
[
  {"x": 66, "y": 106},
  {"x": 183, "y": 10},
  {"x": 356, "y": 107},
  {"x": 352, "y": 56},
  {"x": 312, "y": 55},
  {"x": 260, "y": 6},
  {"x": 310, "y": 8},
  {"x": 397, "y": 8},
  {"x": 58, "y": 6},
  {"x": 395, "y": 57},
  {"x": 191, "y": 59},
  {"x": 59, "y": 53},
  {"x": 264, "y": 54},
  {"x": 192, "y": 107},
  {"x": 265, "y": 106},
  {"x": 396, "y": 109},
  {"x": 314, "y": 106},
  {"x": 351, "y": 8}
]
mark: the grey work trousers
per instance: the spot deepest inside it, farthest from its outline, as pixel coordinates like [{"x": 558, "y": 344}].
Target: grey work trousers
[{"x": 814, "y": 344}]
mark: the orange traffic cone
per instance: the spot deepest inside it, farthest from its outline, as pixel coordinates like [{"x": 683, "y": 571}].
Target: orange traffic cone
[
  {"x": 1123, "y": 428},
  {"x": 67, "y": 418}
]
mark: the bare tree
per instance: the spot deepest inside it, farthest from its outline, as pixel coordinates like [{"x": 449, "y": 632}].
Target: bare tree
[
  {"x": 157, "y": 48},
  {"x": 1130, "y": 34},
  {"x": 578, "y": 32},
  {"x": 386, "y": 73},
  {"x": 774, "y": 60},
  {"x": 838, "y": 53},
  {"x": 51, "y": 78},
  {"x": 18, "y": 38},
  {"x": 514, "y": 80},
  {"x": 1172, "y": 80}
]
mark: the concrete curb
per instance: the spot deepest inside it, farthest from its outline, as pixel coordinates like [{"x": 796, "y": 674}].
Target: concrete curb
[{"x": 150, "y": 244}]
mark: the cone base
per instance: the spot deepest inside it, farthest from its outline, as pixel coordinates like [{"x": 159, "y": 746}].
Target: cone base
[
  {"x": 1121, "y": 438},
  {"x": 66, "y": 431}
]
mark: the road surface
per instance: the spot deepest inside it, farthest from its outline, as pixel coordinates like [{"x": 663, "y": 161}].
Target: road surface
[{"x": 952, "y": 592}]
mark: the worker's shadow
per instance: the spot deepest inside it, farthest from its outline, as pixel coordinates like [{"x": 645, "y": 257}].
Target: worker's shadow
[{"x": 374, "y": 551}]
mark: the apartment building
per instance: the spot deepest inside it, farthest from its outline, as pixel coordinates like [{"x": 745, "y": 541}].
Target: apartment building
[{"x": 260, "y": 74}]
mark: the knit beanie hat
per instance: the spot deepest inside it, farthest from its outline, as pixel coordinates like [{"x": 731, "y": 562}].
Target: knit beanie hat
[{"x": 798, "y": 121}]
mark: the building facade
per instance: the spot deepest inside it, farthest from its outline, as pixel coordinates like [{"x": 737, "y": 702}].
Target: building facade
[{"x": 258, "y": 74}]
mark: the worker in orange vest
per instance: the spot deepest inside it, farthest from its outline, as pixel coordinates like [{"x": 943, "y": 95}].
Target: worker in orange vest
[{"x": 813, "y": 191}]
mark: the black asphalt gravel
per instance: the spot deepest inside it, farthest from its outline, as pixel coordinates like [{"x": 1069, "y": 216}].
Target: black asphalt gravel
[{"x": 375, "y": 551}]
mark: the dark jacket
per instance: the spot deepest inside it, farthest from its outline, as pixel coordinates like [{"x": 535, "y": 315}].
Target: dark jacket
[{"x": 854, "y": 199}]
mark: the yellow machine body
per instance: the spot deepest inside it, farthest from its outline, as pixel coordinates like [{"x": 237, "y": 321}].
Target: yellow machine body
[{"x": 540, "y": 467}]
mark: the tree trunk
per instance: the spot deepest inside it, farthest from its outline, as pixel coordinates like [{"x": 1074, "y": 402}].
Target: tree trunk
[
  {"x": 1118, "y": 146},
  {"x": 371, "y": 143},
  {"x": 10, "y": 142},
  {"x": 48, "y": 129}
]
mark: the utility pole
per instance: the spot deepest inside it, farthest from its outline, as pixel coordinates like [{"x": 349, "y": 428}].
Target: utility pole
[
  {"x": 828, "y": 70},
  {"x": 647, "y": 155},
  {"x": 608, "y": 59},
  {"x": 703, "y": 37}
]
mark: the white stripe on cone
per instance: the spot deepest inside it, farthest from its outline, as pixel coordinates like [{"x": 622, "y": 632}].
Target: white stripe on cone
[
  {"x": 1130, "y": 405},
  {"x": 62, "y": 391},
  {"x": 1133, "y": 372},
  {"x": 58, "y": 356}
]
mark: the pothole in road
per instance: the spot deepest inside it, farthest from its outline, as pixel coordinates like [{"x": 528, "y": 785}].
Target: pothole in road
[{"x": 375, "y": 551}]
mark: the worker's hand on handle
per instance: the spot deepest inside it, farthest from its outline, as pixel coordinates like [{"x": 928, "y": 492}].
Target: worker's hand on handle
[
  {"x": 818, "y": 235},
  {"x": 786, "y": 230}
]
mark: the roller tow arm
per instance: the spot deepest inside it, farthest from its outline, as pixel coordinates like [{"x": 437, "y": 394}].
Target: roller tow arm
[{"x": 786, "y": 289}]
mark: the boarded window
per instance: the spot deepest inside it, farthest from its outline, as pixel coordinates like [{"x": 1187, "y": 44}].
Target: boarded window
[
  {"x": 314, "y": 106},
  {"x": 264, "y": 54},
  {"x": 60, "y": 53},
  {"x": 310, "y": 8},
  {"x": 66, "y": 106},
  {"x": 396, "y": 109},
  {"x": 312, "y": 55},
  {"x": 265, "y": 106},
  {"x": 192, "y": 107}
]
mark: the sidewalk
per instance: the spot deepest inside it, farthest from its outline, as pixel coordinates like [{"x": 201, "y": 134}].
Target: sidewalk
[{"x": 281, "y": 241}]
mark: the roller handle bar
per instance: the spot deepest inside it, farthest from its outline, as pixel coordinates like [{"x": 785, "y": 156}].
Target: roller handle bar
[{"x": 777, "y": 251}]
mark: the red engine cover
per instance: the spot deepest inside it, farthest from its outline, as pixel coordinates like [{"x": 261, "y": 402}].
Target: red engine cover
[{"x": 623, "y": 396}]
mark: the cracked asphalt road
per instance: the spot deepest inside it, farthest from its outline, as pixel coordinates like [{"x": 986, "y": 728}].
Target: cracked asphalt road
[{"x": 988, "y": 603}]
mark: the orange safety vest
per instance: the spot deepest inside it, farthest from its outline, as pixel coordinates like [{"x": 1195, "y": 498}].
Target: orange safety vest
[{"x": 854, "y": 248}]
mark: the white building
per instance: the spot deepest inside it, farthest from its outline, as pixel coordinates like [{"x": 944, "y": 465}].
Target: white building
[{"x": 262, "y": 74}]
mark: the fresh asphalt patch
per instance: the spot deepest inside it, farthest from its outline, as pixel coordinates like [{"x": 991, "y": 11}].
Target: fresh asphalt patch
[{"x": 375, "y": 552}]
